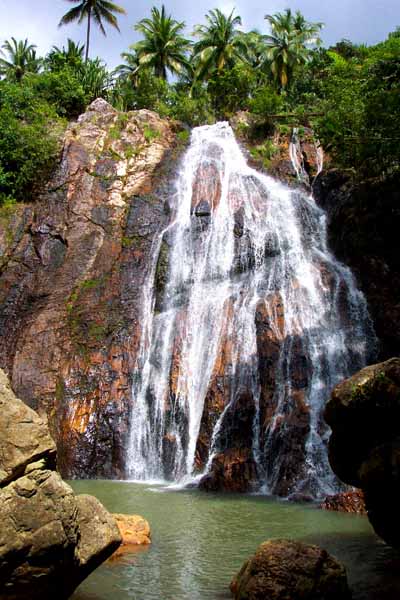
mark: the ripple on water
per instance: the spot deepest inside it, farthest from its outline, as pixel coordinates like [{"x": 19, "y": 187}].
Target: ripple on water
[{"x": 201, "y": 540}]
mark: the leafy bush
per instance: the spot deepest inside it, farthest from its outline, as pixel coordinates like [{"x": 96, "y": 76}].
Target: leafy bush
[
  {"x": 62, "y": 89},
  {"x": 231, "y": 90},
  {"x": 359, "y": 102},
  {"x": 29, "y": 141},
  {"x": 192, "y": 111},
  {"x": 266, "y": 102}
]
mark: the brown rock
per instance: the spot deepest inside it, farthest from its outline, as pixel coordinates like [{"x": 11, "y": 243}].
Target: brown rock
[
  {"x": 364, "y": 448},
  {"x": 24, "y": 437},
  {"x": 73, "y": 267},
  {"x": 289, "y": 570},
  {"x": 349, "y": 502},
  {"x": 233, "y": 470},
  {"x": 134, "y": 530}
]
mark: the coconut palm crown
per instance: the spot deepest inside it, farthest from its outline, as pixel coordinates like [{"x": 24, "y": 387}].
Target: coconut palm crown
[
  {"x": 18, "y": 58},
  {"x": 96, "y": 10},
  {"x": 220, "y": 43},
  {"x": 163, "y": 48},
  {"x": 289, "y": 43}
]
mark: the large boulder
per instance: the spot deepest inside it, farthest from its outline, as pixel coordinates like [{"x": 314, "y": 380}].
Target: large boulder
[
  {"x": 364, "y": 448},
  {"x": 24, "y": 438},
  {"x": 50, "y": 539},
  {"x": 290, "y": 570}
]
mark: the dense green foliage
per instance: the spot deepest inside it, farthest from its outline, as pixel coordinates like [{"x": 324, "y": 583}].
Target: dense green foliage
[
  {"x": 30, "y": 131},
  {"x": 349, "y": 94},
  {"x": 355, "y": 93}
]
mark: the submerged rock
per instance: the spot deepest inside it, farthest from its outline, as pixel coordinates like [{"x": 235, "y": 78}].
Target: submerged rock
[
  {"x": 364, "y": 448},
  {"x": 50, "y": 539},
  {"x": 290, "y": 570}
]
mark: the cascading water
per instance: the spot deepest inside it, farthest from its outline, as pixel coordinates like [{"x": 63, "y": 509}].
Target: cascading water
[
  {"x": 240, "y": 245},
  {"x": 298, "y": 160}
]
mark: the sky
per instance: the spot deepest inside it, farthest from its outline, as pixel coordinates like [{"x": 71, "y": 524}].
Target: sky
[{"x": 361, "y": 21}]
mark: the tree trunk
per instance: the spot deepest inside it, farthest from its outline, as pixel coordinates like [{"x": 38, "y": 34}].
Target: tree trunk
[{"x": 88, "y": 34}]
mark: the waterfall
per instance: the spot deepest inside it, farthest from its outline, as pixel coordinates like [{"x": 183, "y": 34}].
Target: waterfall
[
  {"x": 247, "y": 315},
  {"x": 297, "y": 157}
]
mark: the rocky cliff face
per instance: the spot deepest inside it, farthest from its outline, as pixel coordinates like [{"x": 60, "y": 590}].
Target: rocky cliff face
[
  {"x": 363, "y": 225},
  {"x": 364, "y": 448},
  {"x": 72, "y": 268},
  {"x": 50, "y": 539},
  {"x": 72, "y": 273}
]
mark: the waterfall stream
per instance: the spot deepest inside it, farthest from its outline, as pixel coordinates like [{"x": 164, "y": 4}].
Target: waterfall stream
[{"x": 254, "y": 319}]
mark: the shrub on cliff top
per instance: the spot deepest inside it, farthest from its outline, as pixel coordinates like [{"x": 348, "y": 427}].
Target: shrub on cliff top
[
  {"x": 29, "y": 141},
  {"x": 61, "y": 89}
]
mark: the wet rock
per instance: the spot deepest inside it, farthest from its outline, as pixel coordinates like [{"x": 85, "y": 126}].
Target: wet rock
[
  {"x": 364, "y": 448},
  {"x": 50, "y": 539},
  {"x": 281, "y": 448},
  {"x": 207, "y": 187},
  {"x": 349, "y": 502},
  {"x": 203, "y": 209},
  {"x": 363, "y": 225},
  {"x": 161, "y": 274},
  {"x": 285, "y": 569},
  {"x": 233, "y": 470}
]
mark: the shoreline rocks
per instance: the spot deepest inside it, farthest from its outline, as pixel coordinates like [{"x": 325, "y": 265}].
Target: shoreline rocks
[
  {"x": 348, "y": 502},
  {"x": 50, "y": 539},
  {"x": 134, "y": 530},
  {"x": 364, "y": 448},
  {"x": 282, "y": 569}
]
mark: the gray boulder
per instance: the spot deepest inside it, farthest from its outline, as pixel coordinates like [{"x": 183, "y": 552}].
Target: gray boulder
[{"x": 50, "y": 539}]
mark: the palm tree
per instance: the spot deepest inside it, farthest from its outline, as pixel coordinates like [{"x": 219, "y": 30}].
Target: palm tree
[
  {"x": 129, "y": 70},
  {"x": 288, "y": 44},
  {"x": 255, "y": 53},
  {"x": 71, "y": 56},
  {"x": 20, "y": 60},
  {"x": 163, "y": 47},
  {"x": 220, "y": 43},
  {"x": 98, "y": 10}
]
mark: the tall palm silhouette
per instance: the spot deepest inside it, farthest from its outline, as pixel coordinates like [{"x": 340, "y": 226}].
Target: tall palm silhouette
[{"x": 96, "y": 10}]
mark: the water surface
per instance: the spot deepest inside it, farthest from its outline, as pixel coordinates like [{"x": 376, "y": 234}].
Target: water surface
[{"x": 201, "y": 540}]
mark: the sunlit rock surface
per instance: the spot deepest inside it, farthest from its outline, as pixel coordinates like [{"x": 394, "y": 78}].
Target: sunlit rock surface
[
  {"x": 50, "y": 539},
  {"x": 73, "y": 269}
]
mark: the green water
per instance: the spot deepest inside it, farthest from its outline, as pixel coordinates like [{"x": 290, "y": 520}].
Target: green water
[{"x": 201, "y": 540}]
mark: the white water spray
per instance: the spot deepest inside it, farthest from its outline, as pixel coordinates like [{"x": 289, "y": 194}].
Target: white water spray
[{"x": 238, "y": 240}]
